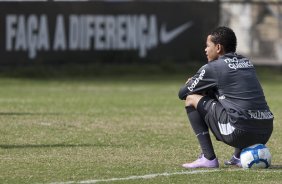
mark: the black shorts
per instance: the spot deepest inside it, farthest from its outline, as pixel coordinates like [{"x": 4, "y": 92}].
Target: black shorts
[{"x": 217, "y": 118}]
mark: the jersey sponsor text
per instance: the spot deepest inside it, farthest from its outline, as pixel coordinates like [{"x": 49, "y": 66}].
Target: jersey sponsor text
[{"x": 197, "y": 80}]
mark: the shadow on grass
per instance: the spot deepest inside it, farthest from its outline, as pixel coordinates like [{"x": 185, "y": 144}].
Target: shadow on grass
[
  {"x": 30, "y": 113},
  {"x": 98, "y": 70},
  {"x": 24, "y": 146},
  {"x": 275, "y": 167}
]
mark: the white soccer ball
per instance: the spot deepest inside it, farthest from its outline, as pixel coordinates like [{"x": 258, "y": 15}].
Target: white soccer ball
[{"x": 255, "y": 156}]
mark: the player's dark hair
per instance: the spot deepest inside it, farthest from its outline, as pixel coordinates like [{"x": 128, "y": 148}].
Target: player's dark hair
[{"x": 225, "y": 37}]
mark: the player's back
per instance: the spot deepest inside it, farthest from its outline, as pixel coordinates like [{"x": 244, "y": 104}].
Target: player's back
[{"x": 239, "y": 89}]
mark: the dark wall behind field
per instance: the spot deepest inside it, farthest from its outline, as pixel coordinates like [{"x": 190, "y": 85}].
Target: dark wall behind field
[{"x": 107, "y": 32}]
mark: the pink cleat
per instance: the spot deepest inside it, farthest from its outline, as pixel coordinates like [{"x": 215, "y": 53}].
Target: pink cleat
[
  {"x": 202, "y": 162},
  {"x": 234, "y": 161}
]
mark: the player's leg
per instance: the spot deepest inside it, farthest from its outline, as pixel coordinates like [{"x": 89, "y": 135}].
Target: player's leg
[
  {"x": 201, "y": 131},
  {"x": 237, "y": 152},
  {"x": 217, "y": 121},
  {"x": 193, "y": 100},
  {"x": 235, "y": 159},
  {"x": 208, "y": 158}
]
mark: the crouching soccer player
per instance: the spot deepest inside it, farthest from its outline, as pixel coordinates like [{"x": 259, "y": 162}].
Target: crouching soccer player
[{"x": 225, "y": 97}]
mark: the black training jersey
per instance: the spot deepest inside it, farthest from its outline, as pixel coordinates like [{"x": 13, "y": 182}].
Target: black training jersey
[{"x": 232, "y": 80}]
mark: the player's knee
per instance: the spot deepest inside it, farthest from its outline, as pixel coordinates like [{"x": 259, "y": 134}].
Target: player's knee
[
  {"x": 189, "y": 100},
  {"x": 192, "y": 100}
]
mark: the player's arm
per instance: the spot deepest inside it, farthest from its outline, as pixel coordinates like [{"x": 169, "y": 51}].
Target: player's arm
[{"x": 202, "y": 81}]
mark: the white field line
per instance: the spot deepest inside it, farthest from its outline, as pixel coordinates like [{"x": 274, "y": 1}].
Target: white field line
[{"x": 150, "y": 176}]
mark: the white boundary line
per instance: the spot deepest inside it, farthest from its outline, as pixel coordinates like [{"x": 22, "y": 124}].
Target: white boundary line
[{"x": 148, "y": 176}]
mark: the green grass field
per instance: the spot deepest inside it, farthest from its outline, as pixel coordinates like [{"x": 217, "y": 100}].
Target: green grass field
[{"x": 86, "y": 129}]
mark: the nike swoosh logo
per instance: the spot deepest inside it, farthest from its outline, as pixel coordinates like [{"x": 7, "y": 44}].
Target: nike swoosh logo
[{"x": 167, "y": 36}]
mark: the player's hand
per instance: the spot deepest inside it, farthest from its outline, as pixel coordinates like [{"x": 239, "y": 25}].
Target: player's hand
[{"x": 188, "y": 80}]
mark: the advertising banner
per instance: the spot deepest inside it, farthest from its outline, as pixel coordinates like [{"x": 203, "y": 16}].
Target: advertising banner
[{"x": 105, "y": 31}]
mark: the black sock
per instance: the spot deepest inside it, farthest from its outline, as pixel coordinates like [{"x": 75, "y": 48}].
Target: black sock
[
  {"x": 237, "y": 152},
  {"x": 202, "y": 132}
]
